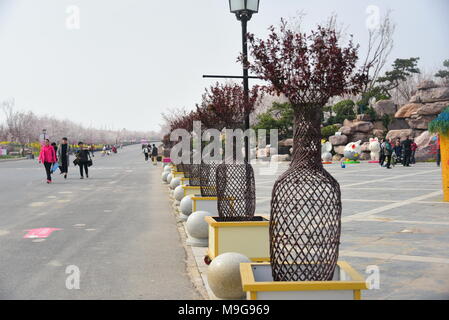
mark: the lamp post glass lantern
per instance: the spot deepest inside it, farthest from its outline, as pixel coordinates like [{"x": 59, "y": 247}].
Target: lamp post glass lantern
[{"x": 244, "y": 6}]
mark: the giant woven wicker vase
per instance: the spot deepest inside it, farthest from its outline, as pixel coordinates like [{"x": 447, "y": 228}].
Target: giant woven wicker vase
[
  {"x": 305, "y": 210},
  {"x": 208, "y": 179},
  {"x": 236, "y": 192},
  {"x": 195, "y": 178}
]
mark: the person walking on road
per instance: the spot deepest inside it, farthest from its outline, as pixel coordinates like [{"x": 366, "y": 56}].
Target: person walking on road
[
  {"x": 406, "y": 146},
  {"x": 414, "y": 147},
  {"x": 83, "y": 158},
  {"x": 63, "y": 157},
  {"x": 154, "y": 153},
  {"x": 47, "y": 156},
  {"x": 388, "y": 153},
  {"x": 382, "y": 153},
  {"x": 397, "y": 151},
  {"x": 146, "y": 152}
]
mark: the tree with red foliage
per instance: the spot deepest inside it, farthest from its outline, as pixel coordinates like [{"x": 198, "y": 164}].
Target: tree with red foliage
[
  {"x": 223, "y": 106},
  {"x": 306, "y": 205}
]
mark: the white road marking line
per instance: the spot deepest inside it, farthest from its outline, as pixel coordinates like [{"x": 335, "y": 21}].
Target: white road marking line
[
  {"x": 392, "y": 256},
  {"x": 63, "y": 201},
  {"x": 4, "y": 232},
  {"x": 389, "y": 206},
  {"x": 65, "y": 192}
]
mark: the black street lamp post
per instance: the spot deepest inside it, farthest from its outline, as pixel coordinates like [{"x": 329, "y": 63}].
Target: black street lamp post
[{"x": 244, "y": 10}]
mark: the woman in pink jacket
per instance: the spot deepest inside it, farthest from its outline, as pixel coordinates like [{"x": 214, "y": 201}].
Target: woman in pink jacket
[{"x": 47, "y": 156}]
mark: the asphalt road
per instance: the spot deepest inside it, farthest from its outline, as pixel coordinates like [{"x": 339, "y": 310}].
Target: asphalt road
[{"x": 115, "y": 228}]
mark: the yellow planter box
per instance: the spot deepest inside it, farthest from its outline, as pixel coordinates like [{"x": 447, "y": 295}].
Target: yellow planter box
[
  {"x": 188, "y": 190},
  {"x": 257, "y": 282},
  {"x": 250, "y": 238},
  {"x": 177, "y": 174},
  {"x": 208, "y": 204},
  {"x": 184, "y": 181}
]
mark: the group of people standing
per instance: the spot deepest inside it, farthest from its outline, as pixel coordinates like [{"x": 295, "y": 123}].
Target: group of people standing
[
  {"x": 394, "y": 152},
  {"x": 54, "y": 157},
  {"x": 152, "y": 151}
]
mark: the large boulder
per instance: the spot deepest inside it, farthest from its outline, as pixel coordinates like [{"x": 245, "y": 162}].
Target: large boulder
[
  {"x": 339, "y": 149},
  {"x": 347, "y": 123},
  {"x": 337, "y": 157},
  {"x": 379, "y": 133},
  {"x": 379, "y": 125},
  {"x": 362, "y": 126},
  {"x": 398, "y": 124},
  {"x": 426, "y": 143},
  {"x": 384, "y": 107},
  {"x": 345, "y": 130},
  {"x": 432, "y": 108},
  {"x": 419, "y": 122},
  {"x": 338, "y": 140},
  {"x": 431, "y": 95},
  {"x": 407, "y": 110},
  {"x": 362, "y": 136},
  {"x": 364, "y": 117},
  {"x": 402, "y": 134}
]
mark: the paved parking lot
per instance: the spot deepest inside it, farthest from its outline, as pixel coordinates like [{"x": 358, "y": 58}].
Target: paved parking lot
[{"x": 392, "y": 219}]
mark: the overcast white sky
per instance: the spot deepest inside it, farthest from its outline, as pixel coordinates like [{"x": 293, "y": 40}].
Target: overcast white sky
[{"x": 132, "y": 59}]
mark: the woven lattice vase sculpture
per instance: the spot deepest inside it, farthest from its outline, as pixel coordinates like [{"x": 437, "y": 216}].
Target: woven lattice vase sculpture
[
  {"x": 305, "y": 209},
  {"x": 236, "y": 192},
  {"x": 195, "y": 178},
  {"x": 208, "y": 179}
]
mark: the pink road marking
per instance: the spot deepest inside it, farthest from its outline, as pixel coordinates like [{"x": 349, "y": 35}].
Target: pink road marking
[{"x": 39, "y": 233}]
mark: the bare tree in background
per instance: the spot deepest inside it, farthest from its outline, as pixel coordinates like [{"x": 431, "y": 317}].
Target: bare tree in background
[
  {"x": 380, "y": 45},
  {"x": 25, "y": 127}
]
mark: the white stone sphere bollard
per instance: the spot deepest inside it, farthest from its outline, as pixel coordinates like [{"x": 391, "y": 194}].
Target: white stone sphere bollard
[
  {"x": 178, "y": 193},
  {"x": 169, "y": 178},
  {"x": 223, "y": 275},
  {"x": 167, "y": 169},
  {"x": 174, "y": 183},
  {"x": 164, "y": 176},
  {"x": 198, "y": 229},
  {"x": 186, "y": 207}
]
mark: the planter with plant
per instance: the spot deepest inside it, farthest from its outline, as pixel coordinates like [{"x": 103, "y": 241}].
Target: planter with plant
[{"x": 306, "y": 205}]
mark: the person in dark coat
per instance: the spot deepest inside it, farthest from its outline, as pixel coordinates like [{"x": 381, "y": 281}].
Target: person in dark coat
[
  {"x": 407, "y": 151},
  {"x": 63, "y": 157},
  {"x": 382, "y": 153},
  {"x": 388, "y": 153},
  {"x": 154, "y": 154},
  {"x": 83, "y": 157}
]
